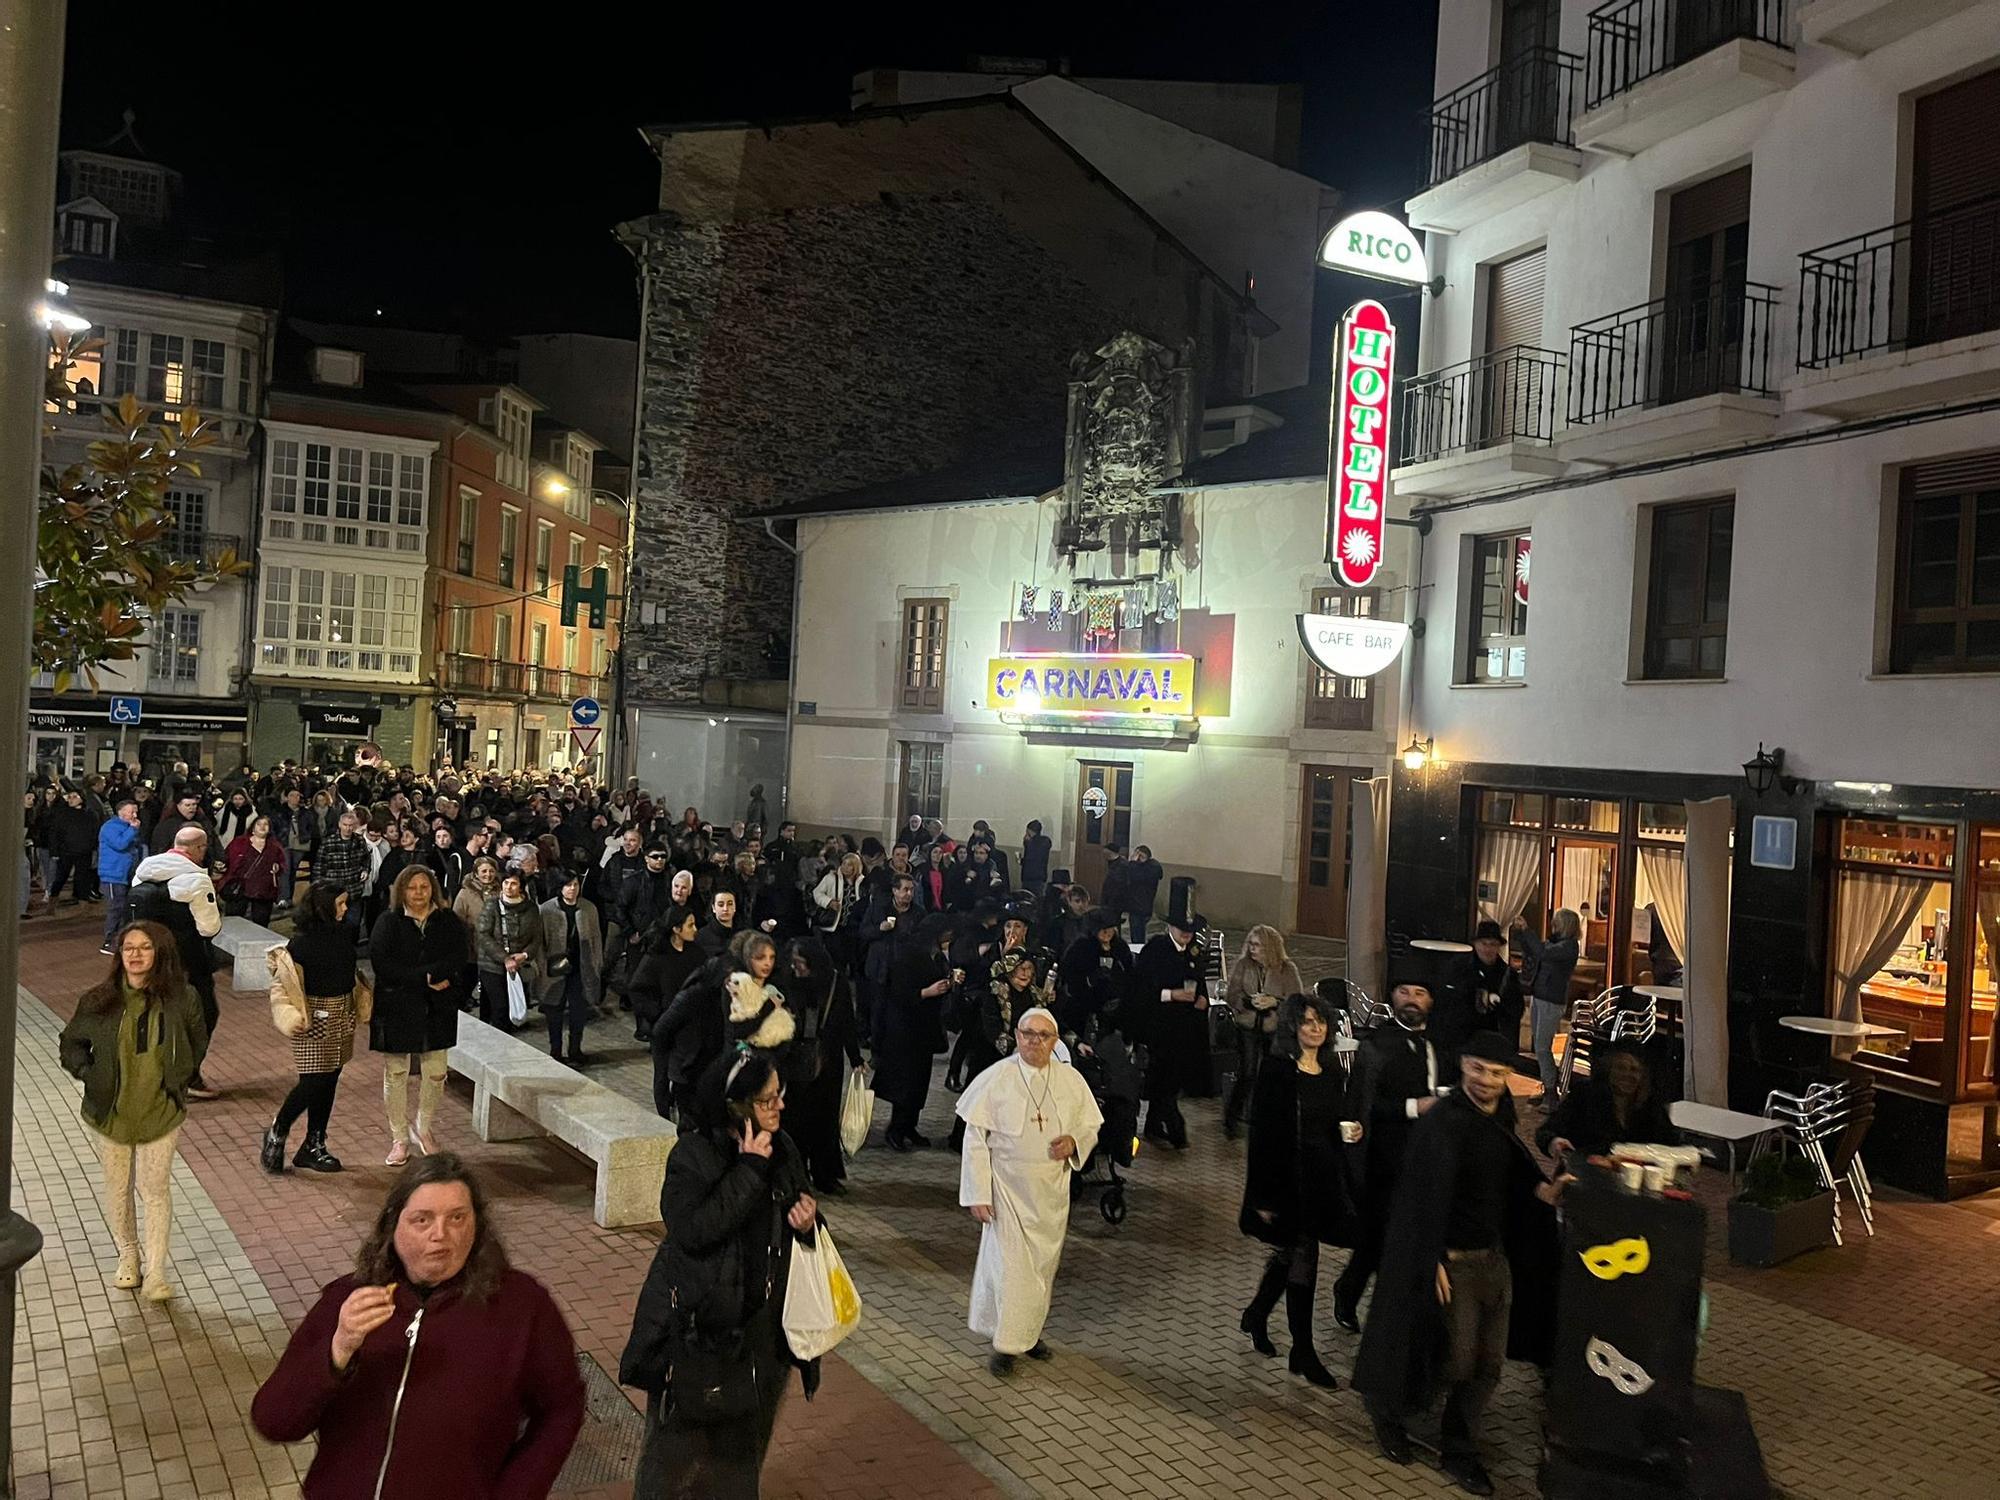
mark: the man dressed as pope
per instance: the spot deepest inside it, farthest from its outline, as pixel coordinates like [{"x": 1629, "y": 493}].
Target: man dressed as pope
[{"x": 1029, "y": 1122}]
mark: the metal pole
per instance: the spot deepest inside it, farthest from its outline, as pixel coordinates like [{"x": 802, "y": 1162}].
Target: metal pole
[{"x": 31, "y": 59}]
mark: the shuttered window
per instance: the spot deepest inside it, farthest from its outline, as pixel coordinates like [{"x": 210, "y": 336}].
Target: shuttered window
[
  {"x": 1709, "y": 208},
  {"x": 1687, "y": 598},
  {"x": 1957, "y": 151},
  {"x": 1955, "y": 221},
  {"x": 1947, "y": 610},
  {"x": 1514, "y": 301},
  {"x": 921, "y": 653}
]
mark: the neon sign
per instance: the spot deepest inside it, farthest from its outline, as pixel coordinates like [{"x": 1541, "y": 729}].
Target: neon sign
[
  {"x": 1357, "y": 480},
  {"x": 1373, "y": 244},
  {"x": 1351, "y": 646},
  {"x": 1091, "y": 683}
]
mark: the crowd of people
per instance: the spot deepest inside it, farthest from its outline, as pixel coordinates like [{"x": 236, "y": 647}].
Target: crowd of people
[{"x": 762, "y": 973}]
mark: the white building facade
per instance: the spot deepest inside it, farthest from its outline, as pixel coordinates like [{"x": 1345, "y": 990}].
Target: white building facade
[{"x": 1718, "y": 348}]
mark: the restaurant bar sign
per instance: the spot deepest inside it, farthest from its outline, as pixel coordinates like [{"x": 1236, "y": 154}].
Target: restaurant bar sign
[
  {"x": 1110, "y": 682},
  {"x": 1357, "y": 480},
  {"x": 1351, "y": 646}
]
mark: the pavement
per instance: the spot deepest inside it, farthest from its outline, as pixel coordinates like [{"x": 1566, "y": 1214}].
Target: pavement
[{"x": 1872, "y": 1370}]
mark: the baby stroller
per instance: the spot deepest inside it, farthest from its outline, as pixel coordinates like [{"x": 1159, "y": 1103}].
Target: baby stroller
[{"x": 1114, "y": 1076}]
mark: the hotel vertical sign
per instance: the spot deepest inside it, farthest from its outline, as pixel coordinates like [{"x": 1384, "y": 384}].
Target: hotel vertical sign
[{"x": 1358, "y": 471}]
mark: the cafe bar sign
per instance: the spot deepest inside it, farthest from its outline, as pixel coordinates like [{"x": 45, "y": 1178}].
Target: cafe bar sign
[
  {"x": 1123, "y": 684},
  {"x": 1357, "y": 481}
]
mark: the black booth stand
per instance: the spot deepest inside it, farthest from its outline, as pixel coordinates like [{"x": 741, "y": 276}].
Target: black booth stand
[{"x": 1626, "y": 1420}]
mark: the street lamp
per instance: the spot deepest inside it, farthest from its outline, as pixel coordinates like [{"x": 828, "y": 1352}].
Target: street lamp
[
  {"x": 1417, "y": 756},
  {"x": 54, "y": 310}
]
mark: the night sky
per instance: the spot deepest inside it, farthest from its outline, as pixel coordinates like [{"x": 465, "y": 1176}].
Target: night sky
[{"x": 467, "y": 176}]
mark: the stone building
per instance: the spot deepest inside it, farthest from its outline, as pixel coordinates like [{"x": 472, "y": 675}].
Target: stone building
[{"x": 830, "y": 304}]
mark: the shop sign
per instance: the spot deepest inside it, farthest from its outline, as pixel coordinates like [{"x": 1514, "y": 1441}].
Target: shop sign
[
  {"x": 1106, "y": 682},
  {"x": 196, "y": 724},
  {"x": 1352, "y": 646},
  {"x": 59, "y": 721},
  {"x": 322, "y": 719},
  {"x": 1374, "y": 244},
  {"x": 1521, "y": 569},
  {"x": 1358, "y": 478}
]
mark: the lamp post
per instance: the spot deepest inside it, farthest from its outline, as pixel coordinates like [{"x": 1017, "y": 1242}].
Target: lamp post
[{"x": 31, "y": 60}]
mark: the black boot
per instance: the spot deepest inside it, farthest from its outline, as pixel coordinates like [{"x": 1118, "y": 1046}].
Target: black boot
[
  {"x": 313, "y": 1155},
  {"x": 272, "y": 1156},
  {"x": 1257, "y": 1315},
  {"x": 1304, "y": 1360}
]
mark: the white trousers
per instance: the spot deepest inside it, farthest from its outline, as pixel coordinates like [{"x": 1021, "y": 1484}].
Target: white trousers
[{"x": 149, "y": 1169}]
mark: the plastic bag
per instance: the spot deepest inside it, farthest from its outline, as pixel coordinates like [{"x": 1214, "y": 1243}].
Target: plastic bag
[
  {"x": 821, "y": 1305},
  {"x": 517, "y": 999},
  {"x": 857, "y": 1111}
]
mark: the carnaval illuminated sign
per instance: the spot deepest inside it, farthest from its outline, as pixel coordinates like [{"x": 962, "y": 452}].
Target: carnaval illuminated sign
[
  {"x": 1111, "y": 682},
  {"x": 1351, "y": 646},
  {"x": 1373, "y": 244},
  {"x": 1357, "y": 480}
]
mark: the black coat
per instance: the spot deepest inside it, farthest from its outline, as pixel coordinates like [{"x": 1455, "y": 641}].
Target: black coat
[
  {"x": 1091, "y": 994},
  {"x": 821, "y": 1055},
  {"x": 1403, "y": 1347},
  {"x": 714, "y": 939},
  {"x": 879, "y": 949},
  {"x": 1176, "y": 1033},
  {"x": 909, "y": 1026},
  {"x": 1388, "y": 1072},
  {"x": 659, "y": 974},
  {"x": 1587, "y": 1120},
  {"x": 1457, "y": 1015},
  {"x": 690, "y": 1033},
  {"x": 1286, "y": 1174},
  {"x": 723, "y": 1263},
  {"x": 410, "y": 1016}
]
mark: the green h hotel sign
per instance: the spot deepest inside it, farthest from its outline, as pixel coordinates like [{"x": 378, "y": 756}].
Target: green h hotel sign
[
  {"x": 597, "y": 596},
  {"x": 1357, "y": 476}
]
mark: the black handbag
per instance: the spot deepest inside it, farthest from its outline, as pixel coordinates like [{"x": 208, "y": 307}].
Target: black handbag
[{"x": 715, "y": 1378}]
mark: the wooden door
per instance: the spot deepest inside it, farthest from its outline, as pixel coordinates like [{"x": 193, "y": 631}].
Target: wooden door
[
  {"x": 1510, "y": 392},
  {"x": 1326, "y": 847},
  {"x": 1698, "y": 338},
  {"x": 1100, "y": 820}
]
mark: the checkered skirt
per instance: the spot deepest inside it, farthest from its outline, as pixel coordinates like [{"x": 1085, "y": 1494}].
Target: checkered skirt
[{"x": 328, "y": 1042}]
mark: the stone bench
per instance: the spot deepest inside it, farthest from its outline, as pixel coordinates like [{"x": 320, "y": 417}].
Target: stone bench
[
  {"x": 250, "y": 945},
  {"x": 519, "y": 1091}
]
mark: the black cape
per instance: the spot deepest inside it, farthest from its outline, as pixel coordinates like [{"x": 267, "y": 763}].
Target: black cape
[{"x": 1403, "y": 1347}]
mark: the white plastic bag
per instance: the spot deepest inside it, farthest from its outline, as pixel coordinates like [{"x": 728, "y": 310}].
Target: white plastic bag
[
  {"x": 821, "y": 1305},
  {"x": 857, "y": 1111},
  {"x": 517, "y": 999}
]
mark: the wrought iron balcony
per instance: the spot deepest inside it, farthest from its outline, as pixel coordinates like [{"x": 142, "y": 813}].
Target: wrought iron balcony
[
  {"x": 202, "y": 547},
  {"x": 1529, "y": 97},
  {"x": 479, "y": 674},
  {"x": 561, "y": 685},
  {"x": 1919, "y": 282},
  {"x": 1511, "y": 395},
  {"x": 1673, "y": 349},
  {"x": 1631, "y": 41}
]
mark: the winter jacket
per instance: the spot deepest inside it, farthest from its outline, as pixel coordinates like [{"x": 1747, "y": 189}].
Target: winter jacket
[
  {"x": 171, "y": 823},
  {"x": 88, "y": 1047},
  {"x": 514, "y": 927},
  {"x": 410, "y": 1016},
  {"x": 555, "y": 949},
  {"x": 73, "y": 831},
  {"x": 1553, "y": 962},
  {"x": 119, "y": 849},
  {"x": 1142, "y": 883},
  {"x": 174, "y": 891},
  {"x": 690, "y": 1033},
  {"x": 344, "y": 861},
  {"x": 1250, "y": 979},
  {"x": 253, "y": 875},
  {"x": 474, "y": 1400}
]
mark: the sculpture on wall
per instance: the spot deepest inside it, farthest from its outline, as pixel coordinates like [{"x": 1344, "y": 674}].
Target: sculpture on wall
[{"x": 1131, "y": 410}]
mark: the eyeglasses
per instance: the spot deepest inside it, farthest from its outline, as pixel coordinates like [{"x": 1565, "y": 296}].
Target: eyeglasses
[
  {"x": 1035, "y": 1036},
  {"x": 771, "y": 1103}
]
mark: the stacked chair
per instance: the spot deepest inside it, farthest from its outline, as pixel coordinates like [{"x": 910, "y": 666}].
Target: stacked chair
[{"x": 1828, "y": 1122}]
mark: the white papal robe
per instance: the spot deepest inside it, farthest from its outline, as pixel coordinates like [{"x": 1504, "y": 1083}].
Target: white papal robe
[{"x": 1012, "y": 1112}]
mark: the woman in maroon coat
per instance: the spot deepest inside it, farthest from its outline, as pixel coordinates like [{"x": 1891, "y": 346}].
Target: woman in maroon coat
[
  {"x": 254, "y": 871},
  {"x": 436, "y": 1368}
]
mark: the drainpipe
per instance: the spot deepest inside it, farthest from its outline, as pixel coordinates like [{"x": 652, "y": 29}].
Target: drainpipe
[{"x": 792, "y": 677}]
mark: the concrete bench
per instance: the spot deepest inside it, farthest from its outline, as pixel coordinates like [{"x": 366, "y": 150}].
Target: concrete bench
[
  {"x": 250, "y": 945},
  {"x": 519, "y": 1091}
]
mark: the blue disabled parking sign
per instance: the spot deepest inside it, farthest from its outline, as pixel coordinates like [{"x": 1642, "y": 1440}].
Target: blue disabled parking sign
[
  {"x": 125, "y": 710},
  {"x": 585, "y": 712}
]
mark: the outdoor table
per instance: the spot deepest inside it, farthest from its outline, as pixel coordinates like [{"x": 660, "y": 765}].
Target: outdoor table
[
  {"x": 1831, "y": 1026},
  {"x": 1728, "y": 1125}
]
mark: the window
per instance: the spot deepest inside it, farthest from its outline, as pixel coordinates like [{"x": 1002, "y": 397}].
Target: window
[
  {"x": 86, "y": 234},
  {"x": 920, "y": 656},
  {"x": 347, "y": 484},
  {"x": 1890, "y": 951},
  {"x": 1687, "y": 594},
  {"x": 545, "y": 539},
  {"x": 210, "y": 358},
  {"x": 510, "y": 527},
  {"x": 503, "y": 634},
  {"x": 176, "y": 648},
  {"x": 166, "y": 369},
  {"x": 604, "y": 562},
  {"x": 403, "y": 614},
  {"x": 598, "y": 652},
  {"x": 468, "y": 530},
  {"x": 576, "y": 459},
  {"x": 125, "y": 363},
  {"x": 459, "y": 632},
  {"x": 87, "y": 373},
  {"x": 1497, "y": 610},
  {"x": 512, "y": 422},
  {"x": 318, "y": 487},
  {"x": 277, "y": 603},
  {"x": 538, "y": 651},
  {"x": 1334, "y": 702},
  {"x": 381, "y": 487},
  {"x": 340, "y": 609},
  {"x": 246, "y": 382},
  {"x": 410, "y": 490},
  {"x": 187, "y": 522},
  {"x": 374, "y": 610},
  {"x": 920, "y": 779},
  {"x": 576, "y": 556},
  {"x": 1947, "y": 601},
  {"x": 569, "y": 650},
  {"x": 284, "y": 475},
  {"x": 308, "y": 619}
]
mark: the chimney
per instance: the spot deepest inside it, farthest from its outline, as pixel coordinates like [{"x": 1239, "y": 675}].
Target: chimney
[{"x": 336, "y": 367}]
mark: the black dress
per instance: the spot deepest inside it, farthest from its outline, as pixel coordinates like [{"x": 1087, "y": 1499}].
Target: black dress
[{"x": 821, "y": 1056}]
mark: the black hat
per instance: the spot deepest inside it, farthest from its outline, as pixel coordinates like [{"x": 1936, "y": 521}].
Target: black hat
[
  {"x": 1194, "y": 921},
  {"x": 986, "y": 906},
  {"x": 1490, "y": 1046},
  {"x": 935, "y": 926},
  {"x": 1019, "y": 910},
  {"x": 1488, "y": 932},
  {"x": 1101, "y": 917}
]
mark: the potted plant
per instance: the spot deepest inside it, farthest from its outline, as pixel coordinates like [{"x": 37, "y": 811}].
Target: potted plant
[{"x": 1781, "y": 1212}]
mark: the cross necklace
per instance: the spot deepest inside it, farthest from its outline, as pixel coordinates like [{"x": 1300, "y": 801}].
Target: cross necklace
[{"x": 1041, "y": 1103}]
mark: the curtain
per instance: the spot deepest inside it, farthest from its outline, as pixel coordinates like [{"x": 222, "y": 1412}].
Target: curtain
[
  {"x": 1367, "y": 902},
  {"x": 1873, "y": 914},
  {"x": 1581, "y": 881},
  {"x": 1704, "y": 918},
  {"x": 1989, "y": 931},
  {"x": 1511, "y": 863},
  {"x": 1663, "y": 882}
]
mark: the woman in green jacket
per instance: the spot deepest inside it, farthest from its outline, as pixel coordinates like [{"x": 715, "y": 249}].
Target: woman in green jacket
[{"x": 136, "y": 1041}]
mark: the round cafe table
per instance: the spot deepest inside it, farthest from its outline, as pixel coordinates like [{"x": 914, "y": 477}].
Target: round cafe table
[
  {"x": 1439, "y": 945},
  {"x": 1434, "y": 964},
  {"x": 1831, "y": 1026}
]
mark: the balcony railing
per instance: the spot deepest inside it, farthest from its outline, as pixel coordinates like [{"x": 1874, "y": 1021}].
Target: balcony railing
[
  {"x": 1673, "y": 349},
  {"x": 479, "y": 674},
  {"x": 1509, "y": 396},
  {"x": 563, "y": 686},
  {"x": 1919, "y": 282},
  {"x": 1633, "y": 40},
  {"x": 202, "y": 547},
  {"x": 1529, "y": 97}
]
